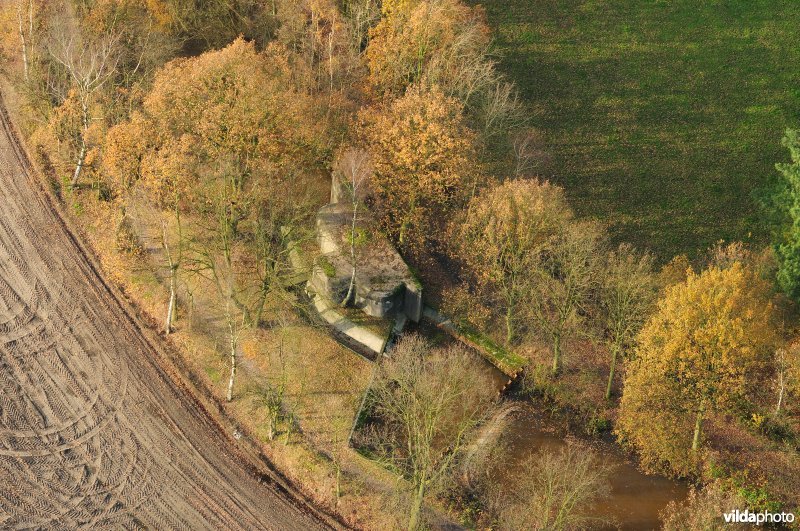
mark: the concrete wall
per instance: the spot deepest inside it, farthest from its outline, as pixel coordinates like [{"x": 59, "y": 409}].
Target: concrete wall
[
  {"x": 336, "y": 190},
  {"x": 332, "y": 288},
  {"x": 412, "y": 302}
]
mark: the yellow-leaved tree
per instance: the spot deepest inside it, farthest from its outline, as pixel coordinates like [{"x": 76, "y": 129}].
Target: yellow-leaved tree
[
  {"x": 501, "y": 241},
  {"x": 700, "y": 352}
]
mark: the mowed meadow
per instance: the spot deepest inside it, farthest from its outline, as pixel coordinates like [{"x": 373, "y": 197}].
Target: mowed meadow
[{"x": 662, "y": 119}]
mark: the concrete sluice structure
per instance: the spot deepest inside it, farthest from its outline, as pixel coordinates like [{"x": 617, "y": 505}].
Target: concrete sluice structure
[{"x": 385, "y": 286}]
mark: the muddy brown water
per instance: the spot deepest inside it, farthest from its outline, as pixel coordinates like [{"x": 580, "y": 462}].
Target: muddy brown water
[{"x": 636, "y": 498}]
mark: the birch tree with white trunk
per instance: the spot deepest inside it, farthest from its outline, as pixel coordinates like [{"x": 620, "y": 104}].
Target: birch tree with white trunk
[
  {"x": 90, "y": 65},
  {"x": 25, "y": 42},
  {"x": 174, "y": 258},
  {"x": 236, "y": 324},
  {"x": 354, "y": 170}
]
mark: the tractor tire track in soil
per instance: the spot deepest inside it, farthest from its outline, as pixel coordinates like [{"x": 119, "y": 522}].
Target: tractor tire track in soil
[{"x": 94, "y": 433}]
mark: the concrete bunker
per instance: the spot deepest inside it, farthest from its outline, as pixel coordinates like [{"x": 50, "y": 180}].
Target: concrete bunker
[{"x": 385, "y": 287}]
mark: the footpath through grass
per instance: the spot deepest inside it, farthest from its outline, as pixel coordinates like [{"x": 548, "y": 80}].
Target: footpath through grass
[{"x": 662, "y": 119}]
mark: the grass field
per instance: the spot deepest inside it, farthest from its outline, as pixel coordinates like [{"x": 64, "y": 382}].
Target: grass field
[{"x": 661, "y": 118}]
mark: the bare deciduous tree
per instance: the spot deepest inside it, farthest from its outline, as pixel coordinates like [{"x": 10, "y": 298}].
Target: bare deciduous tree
[
  {"x": 552, "y": 489},
  {"x": 500, "y": 111},
  {"x": 271, "y": 394},
  {"x": 723, "y": 255},
  {"x": 703, "y": 509},
  {"x": 528, "y": 153},
  {"x": 90, "y": 64},
  {"x": 430, "y": 399},
  {"x": 562, "y": 283},
  {"x": 361, "y": 15}
]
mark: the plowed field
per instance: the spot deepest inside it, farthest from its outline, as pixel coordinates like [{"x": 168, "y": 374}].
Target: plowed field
[{"x": 94, "y": 433}]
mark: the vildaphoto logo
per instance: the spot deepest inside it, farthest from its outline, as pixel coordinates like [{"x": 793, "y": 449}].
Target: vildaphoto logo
[{"x": 764, "y": 517}]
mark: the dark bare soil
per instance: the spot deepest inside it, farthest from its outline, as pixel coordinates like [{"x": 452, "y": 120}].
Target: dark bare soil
[{"x": 94, "y": 433}]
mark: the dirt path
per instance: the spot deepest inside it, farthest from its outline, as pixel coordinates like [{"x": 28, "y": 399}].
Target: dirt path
[{"x": 93, "y": 432}]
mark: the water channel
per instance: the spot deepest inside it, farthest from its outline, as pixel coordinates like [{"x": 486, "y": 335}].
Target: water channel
[{"x": 636, "y": 499}]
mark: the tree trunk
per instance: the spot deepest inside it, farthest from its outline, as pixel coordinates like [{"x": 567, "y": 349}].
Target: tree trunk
[
  {"x": 191, "y": 310},
  {"x": 614, "y": 351},
  {"x": 173, "y": 280},
  {"x": 79, "y": 165},
  {"x": 233, "y": 370},
  {"x": 269, "y": 279},
  {"x": 338, "y": 481},
  {"x": 416, "y": 506},
  {"x": 330, "y": 61},
  {"x": 401, "y": 239},
  {"x": 509, "y": 325},
  {"x": 404, "y": 226},
  {"x": 248, "y": 318},
  {"x": 698, "y": 429},
  {"x": 781, "y": 386},
  {"x": 260, "y": 310},
  {"x": 556, "y": 354},
  {"x": 171, "y": 307},
  {"x": 82, "y": 154},
  {"x": 350, "y": 288},
  {"x": 24, "y": 43}
]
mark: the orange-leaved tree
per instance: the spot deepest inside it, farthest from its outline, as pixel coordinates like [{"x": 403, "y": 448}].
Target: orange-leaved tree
[
  {"x": 699, "y": 353},
  {"x": 224, "y": 141},
  {"x": 445, "y": 44},
  {"x": 430, "y": 42},
  {"x": 424, "y": 162}
]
